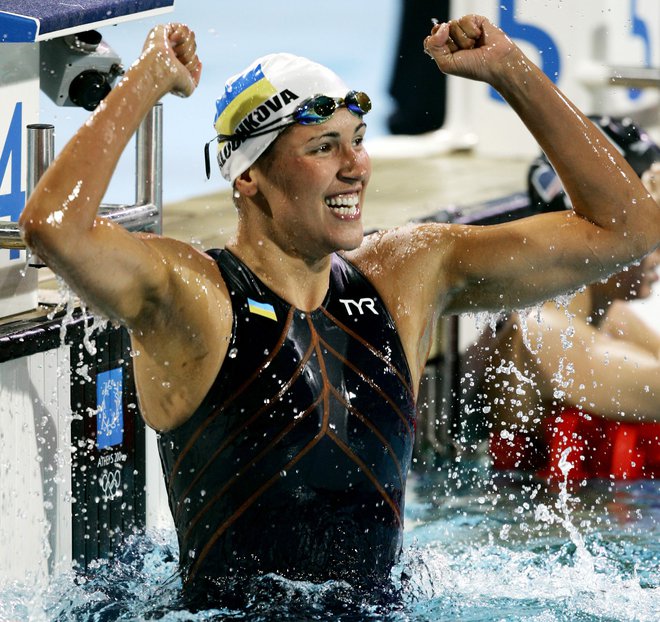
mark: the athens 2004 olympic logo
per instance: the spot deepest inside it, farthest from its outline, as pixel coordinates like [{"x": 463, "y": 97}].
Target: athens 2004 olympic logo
[{"x": 110, "y": 484}]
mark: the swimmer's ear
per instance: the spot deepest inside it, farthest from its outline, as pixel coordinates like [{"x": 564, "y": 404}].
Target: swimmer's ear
[{"x": 246, "y": 184}]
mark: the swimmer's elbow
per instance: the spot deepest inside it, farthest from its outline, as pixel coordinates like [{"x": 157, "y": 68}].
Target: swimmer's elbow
[
  {"x": 38, "y": 236},
  {"x": 45, "y": 234}
]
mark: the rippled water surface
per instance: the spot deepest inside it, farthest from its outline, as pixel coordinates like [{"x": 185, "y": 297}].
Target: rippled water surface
[{"x": 478, "y": 548}]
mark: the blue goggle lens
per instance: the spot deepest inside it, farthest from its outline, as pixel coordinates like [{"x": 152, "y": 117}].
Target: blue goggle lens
[{"x": 320, "y": 108}]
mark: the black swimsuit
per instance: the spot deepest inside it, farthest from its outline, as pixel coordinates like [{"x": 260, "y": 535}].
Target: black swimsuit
[{"x": 296, "y": 461}]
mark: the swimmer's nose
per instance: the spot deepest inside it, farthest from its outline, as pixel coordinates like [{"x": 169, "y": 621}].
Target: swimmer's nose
[{"x": 353, "y": 164}]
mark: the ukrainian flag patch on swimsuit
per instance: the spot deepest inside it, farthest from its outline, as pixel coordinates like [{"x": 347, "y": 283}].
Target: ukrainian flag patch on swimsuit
[{"x": 262, "y": 308}]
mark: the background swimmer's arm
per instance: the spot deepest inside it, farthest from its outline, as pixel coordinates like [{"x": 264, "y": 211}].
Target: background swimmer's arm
[
  {"x": 613, "y": 378},
  {"x": 112, "y": 270},
  {"x": 621, "y": 322},
  {"x": 615, "y": 222}
]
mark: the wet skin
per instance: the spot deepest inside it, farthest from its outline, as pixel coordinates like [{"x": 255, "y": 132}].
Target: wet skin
[{"x": 634, "y": 283}]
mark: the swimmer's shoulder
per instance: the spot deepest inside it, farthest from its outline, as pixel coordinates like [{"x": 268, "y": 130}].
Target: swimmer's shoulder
[
  {"x": 194, "y": 278},
  {"x": 388, "y": 251},
  {"x": 181, "y": 256}
]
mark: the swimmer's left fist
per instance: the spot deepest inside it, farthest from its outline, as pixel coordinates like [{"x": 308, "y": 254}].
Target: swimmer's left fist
[
  {"x": 471, "y": 47},
  {"x": 174, "y": 49}
]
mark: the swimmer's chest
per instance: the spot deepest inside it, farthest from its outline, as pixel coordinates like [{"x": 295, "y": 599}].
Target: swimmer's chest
[{"x": 337, "y": 372}]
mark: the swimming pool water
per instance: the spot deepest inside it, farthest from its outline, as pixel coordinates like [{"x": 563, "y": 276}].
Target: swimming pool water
[{"x": 478, "y": 547}]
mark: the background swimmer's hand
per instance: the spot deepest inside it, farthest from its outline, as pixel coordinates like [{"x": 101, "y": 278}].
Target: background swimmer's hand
[
  {"x": 471, "y": 47},
  {"x": 174, "y": 48},
  {"x": 651, "y": 181}
]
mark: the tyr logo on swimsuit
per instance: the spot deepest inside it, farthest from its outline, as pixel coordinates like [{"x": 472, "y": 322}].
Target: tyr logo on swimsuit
[{"x": 359, "y": 304}]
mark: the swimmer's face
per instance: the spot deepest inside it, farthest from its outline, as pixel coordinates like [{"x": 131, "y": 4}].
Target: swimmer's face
[
  {"x": 637, "y": 281},
  {"x": 316, "y": 184}
]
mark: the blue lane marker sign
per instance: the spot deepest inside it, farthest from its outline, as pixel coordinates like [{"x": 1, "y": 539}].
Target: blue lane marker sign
[
  {"x": 109, "y": 407},
  {"x": 11, "y": 204}
]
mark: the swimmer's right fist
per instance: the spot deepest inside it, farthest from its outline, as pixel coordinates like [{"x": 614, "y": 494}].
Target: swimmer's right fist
[{"x": 174, "y": 49}]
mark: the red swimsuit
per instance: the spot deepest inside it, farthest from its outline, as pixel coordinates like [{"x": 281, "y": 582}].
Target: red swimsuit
[{"x": 600, "y": 448}]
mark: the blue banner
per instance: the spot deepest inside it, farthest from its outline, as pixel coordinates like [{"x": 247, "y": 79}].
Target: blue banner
[{"x": 110, "y": 409}]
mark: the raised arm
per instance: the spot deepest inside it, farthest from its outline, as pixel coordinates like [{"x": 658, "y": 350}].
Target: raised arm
[
  {"x": 169, "y": 295},
  {"x": 615, "y": 221},
  {"x": 116, "y": 272},
  {"x": 432, "y": 268}
]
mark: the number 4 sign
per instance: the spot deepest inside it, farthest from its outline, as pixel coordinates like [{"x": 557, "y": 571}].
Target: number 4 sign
[
  {"x": 12, "y": 198},
  {"x": 19, "y": 107}
]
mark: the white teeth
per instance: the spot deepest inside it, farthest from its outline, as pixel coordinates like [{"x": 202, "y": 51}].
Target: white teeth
[
  {"x": 347, "y": 211},
  {"x": 342, "y": 200}
]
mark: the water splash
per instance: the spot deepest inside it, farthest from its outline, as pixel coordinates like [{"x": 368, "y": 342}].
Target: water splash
[
  {"x": 475, "y": 552},
  {"x": 515, "y": 562},
  {"x": 69, "y": 303},
  {"x": 584, "y": 559}
]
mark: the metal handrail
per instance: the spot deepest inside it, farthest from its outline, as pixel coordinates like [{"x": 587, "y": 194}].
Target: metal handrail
[
  {"x": 635, "y": 77},
  {"x": 146, "y": 214},
  {"x": 593, "y": 74}
]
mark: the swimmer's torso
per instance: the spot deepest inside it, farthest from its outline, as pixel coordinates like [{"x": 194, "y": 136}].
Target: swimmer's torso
[{"x": 296, "y": 461}]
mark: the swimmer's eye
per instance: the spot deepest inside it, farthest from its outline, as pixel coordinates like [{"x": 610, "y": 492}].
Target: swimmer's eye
[{"x": 322, "y": 148}]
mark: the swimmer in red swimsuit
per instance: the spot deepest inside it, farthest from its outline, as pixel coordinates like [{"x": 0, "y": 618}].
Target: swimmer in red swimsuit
[{"x": 585, "y": 374}]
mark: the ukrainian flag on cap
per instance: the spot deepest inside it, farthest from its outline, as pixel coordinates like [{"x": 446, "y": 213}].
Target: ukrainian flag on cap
[
  {"x": 269, "y": 90},
  {"x": 262, "y": 308},
  {"x": 245, "y": 94}
]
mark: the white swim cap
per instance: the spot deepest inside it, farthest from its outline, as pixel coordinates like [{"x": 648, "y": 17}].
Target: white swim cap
[{"x": 263, "y": 95}]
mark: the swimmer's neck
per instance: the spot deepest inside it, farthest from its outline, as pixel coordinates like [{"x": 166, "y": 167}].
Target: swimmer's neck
[{"x": 302, "y": 282}]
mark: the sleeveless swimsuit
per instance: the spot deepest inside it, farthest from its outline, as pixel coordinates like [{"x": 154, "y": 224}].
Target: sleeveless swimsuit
[{"x": 295, "y": 463}]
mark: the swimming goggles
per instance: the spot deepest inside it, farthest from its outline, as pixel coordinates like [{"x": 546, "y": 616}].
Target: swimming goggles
[{"x": 312, "y": 111}]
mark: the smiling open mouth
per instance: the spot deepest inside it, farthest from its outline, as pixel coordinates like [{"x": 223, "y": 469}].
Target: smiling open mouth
[{"x": 344, "y": 204}]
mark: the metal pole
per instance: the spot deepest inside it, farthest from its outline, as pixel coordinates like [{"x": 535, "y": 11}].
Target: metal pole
[
  {"x": 635, "y": 77},
  {"x": 147, "y": 212},
  {"x": 149, "y": 163},
  {"x": 10, "y": 235},
  {"x": 40, "y": 152}
]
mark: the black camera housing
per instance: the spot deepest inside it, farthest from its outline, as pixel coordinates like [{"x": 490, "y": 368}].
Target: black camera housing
[{"x": 79, "y": 69}]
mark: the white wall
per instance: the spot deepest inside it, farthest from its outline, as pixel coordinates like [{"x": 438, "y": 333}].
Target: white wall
[
  {"x": 575, "y": 43},
  {"x": 35, "y": 465}
]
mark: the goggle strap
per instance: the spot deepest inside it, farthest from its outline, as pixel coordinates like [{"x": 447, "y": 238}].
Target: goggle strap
[
  {"x": 207, "y": 159},
  {"x": 207, "y": 153},
  {"x": 223, "y": 137}
]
